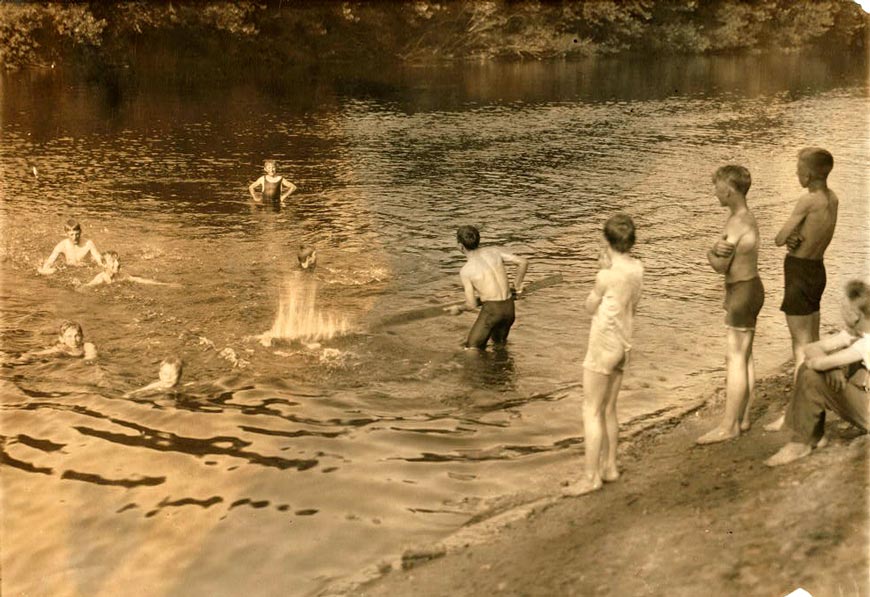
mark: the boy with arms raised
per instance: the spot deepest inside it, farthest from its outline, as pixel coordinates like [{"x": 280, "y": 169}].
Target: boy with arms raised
[
  {"x": 72, "y": 249},
  {"x": 807, "y": 233},
  {"x": 612, "y": 303},
  {"x": 484, "y": 272},
  {"x": 736, "y": 256}
]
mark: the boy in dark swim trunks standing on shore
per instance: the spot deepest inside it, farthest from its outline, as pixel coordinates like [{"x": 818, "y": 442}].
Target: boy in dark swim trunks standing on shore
[
  {"x": 807, "y": 233},
  {"x": 736, "y": 256},
  {"x": 274, "y": 189},
  {"x": 484, "y": 272}
]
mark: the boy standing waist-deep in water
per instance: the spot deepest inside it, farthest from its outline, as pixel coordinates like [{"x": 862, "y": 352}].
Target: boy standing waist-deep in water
[{"x": 484, "y": 273}]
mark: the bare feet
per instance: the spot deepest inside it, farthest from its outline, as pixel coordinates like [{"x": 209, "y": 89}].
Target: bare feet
[
  {"x": 610, "y": 474},
  {"x": 717, "y": 435},
  {"x": 822, "y": 442},
  {"x": 582, "y": 487},
  {"x": 789, "y": 453},
  {"x": 776, "y": 425},
  {"x": 745, "y": 425}
]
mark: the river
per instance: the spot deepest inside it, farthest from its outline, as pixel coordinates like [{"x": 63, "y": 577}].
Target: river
[{"x": 282, "y": 469}]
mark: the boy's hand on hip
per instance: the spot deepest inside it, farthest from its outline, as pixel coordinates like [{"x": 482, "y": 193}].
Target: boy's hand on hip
[{"x": 793, "y": 241}]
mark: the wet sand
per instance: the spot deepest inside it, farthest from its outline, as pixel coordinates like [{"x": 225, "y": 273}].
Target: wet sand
[{"x": 682, "y": 520}]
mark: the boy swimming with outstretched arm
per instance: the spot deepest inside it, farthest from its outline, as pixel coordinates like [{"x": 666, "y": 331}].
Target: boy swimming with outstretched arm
[
  {"x": 274, "y": 189},
  {"x": 612, "y": 303},
  {"x": 807, "y": 234},
  {"x": 484, "y": 273},
  {"x": 169, "y": 377},
  {"x": 70, "y": 342},
  {"x": 72, "y": 249},
  {"x": 735, "y": 255},
  {"x": 111, "y": 273}
]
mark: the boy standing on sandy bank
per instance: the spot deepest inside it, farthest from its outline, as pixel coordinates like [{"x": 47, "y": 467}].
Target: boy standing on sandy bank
[
  {"x": 484, "y": 272},
  {"x": 807, "y": 234},
  {"x": 612, "y": 304},
  {"x": 736, "y": 256}
]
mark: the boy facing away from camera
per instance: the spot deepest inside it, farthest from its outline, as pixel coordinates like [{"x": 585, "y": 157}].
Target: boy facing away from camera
[
  {"x": 73, "y": 250},
  {"x": 612, "y": 304},
  {"x": 807, "y": 234},
  {"x": 735, "y": 255}
]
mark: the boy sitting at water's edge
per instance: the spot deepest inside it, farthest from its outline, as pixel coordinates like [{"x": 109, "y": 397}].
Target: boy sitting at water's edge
[
  {"x": 612, "y": 303},
  {"x": 169, "y": 377},
  {"x": 71, "y": 248},
  {"x": 735, "y": 255},
  {"x": 111, "y": 273}
]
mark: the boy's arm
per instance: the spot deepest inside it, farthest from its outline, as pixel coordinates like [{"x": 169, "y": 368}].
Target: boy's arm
[
  {"x": 48, "y": 266},
  {"x": 597, "y": 292},
  {"x": 797, "y": 216},
  {"x": 522, "y": 266},
  {"x": 471, "y": 302},
  {"x": 98, "y": 279},
  {"x": 92, "y": 251},
  {"x": 834, "y": 360},
  {"x": 828, "y": 345},
  {"x": 254, "y": 185},
  {"x": 291, "y": 188}
]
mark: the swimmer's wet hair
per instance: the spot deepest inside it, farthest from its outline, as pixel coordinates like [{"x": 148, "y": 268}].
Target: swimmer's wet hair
[
  {"x": 72, "y": 224},
  {"x": 267, "y": 162},
  {"x": 174, "y": 362},
  {"x": 858, "y": 293},
  {"x": 468, "y": 237},
  {"x": 819, "y": 161},
  {"x": 619, "y": 232},
  {"x": 70, "y": 324},
  {"x": 737, "y": 176}
]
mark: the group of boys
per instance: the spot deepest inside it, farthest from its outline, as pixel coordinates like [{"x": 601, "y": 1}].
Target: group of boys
[{"x": 616, "y": 293}]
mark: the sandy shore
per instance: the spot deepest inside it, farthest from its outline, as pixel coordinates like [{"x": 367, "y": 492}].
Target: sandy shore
[{"x": 682, "y": 520}]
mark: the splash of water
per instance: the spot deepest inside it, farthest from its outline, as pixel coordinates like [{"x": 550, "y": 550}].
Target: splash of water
[{"x": 298, "y": 316}]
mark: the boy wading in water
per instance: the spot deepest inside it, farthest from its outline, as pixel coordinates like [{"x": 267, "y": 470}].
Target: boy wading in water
[
  {"x": 612, "y": 303},
  {"x": 274, "y": 189},
  {"x": 72, "y": 249},
  {"x": 736, "y": 256},
  {"x": 807, "y": 233},
  {"x": 484, "y": 272}
]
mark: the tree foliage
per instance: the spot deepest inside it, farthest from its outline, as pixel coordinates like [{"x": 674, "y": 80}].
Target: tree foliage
[{"x": 296, "y": 31}]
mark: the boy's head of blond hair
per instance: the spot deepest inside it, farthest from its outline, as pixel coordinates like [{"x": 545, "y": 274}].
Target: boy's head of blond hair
[
  {"x": 817, "y": 162},
  {"x": 619, "y": 232},
  {"x": 736, "y": 176}
]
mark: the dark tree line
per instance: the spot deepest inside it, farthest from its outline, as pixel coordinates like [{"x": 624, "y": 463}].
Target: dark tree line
[{"x": 288, "y": 32}]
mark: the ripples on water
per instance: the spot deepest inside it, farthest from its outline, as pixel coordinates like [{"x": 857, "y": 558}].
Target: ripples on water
[{"x": 278, "y": 469}]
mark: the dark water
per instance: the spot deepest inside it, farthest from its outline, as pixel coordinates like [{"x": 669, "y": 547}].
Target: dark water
[{"x": 280, "y": 470}]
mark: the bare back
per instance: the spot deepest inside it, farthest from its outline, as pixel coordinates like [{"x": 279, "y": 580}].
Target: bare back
[
  {"x": 817, "y": 227},
  {"x": 485, "y": 270}
]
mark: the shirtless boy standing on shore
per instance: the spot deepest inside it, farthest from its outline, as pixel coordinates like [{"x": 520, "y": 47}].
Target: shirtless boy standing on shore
[
  {"x": 807, "y": 233},
  {"x": 736, "y": 256},
  {"x": 485, "y": 273},
  {"x": 71, "y": 248}
]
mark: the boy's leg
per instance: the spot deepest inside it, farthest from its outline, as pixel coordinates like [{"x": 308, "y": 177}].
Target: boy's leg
[
  {"x": 501, "y": 330},
  {"x": 736, "y": 386},
  {"x": 804, "y": 330},
  {"x": 745, "y": 423},
  {"x": 480, "y": 332},
  {"x": 595, "y": 386},
  {"x": 609, "y": 472}
]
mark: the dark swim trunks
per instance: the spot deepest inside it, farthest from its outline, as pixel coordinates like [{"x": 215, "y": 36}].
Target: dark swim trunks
[
  {"x": 743, "y": 301},
  {"x": 805, "y": 281},
  {"x": 494, "y": 321}
]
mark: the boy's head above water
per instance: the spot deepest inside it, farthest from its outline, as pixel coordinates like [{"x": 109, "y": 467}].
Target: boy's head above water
[
  {"x": 307, "y": 257},
  {"x": 814, "y": 164},
  {"x": 619, "y": 232},
  {"x": 73, "y": 229},
  {"x": 468, "y": 237},
  {"x": 71, "y": 334},
  {"x": 270, "y": 166},
  {"x": 111, "y": 262},
  {"x": 734, "y": 176},
  {"x": 170, "y": 370}
]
